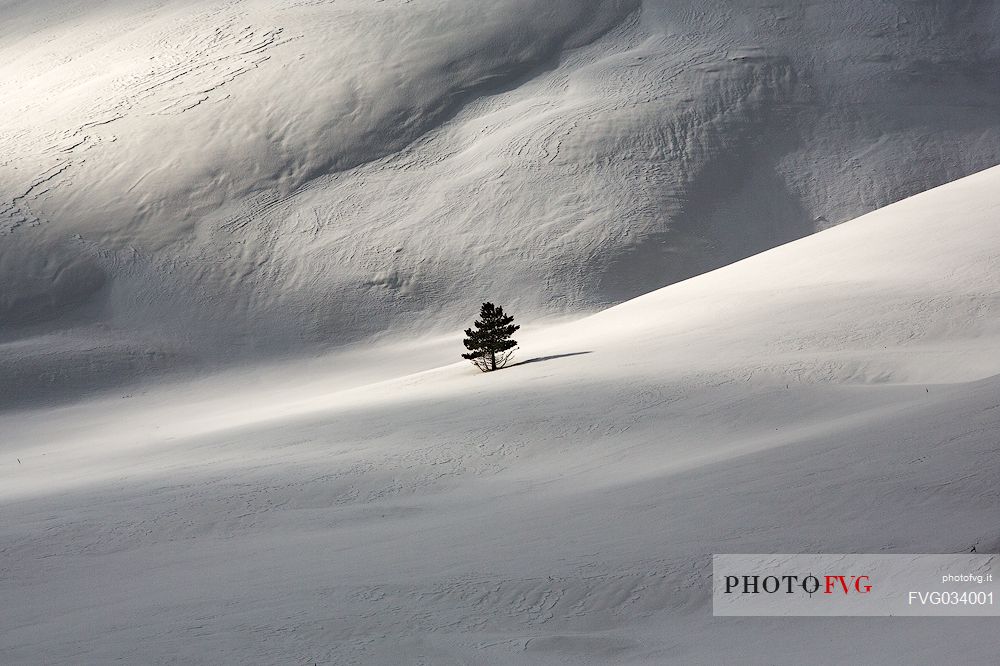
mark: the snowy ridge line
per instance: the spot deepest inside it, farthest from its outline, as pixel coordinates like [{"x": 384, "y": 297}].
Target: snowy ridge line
[
  {"x": 573, "y": 154},
  {"x": 361, "y": 509}
]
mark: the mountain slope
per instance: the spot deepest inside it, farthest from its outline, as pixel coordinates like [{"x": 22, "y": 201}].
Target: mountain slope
[
  {"x": 184, "y": 184},
  {"x": 836, "y": 394}
]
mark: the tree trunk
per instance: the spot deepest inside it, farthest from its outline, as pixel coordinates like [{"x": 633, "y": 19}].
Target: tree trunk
[{"x": 493, "y": 360}]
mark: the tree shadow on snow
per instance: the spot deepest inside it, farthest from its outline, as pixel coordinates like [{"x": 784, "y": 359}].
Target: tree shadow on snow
[{"x": 542, "y": 359}]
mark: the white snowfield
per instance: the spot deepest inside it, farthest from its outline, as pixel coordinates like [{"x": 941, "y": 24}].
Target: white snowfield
[
  {"x": 836, "y": 394},
  {"x": 186, "y": 182}
]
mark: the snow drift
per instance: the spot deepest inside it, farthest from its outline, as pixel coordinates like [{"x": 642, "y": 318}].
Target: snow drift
[
  {"x": 188, "y": 182},
  {"x": 836, "y": 394}
]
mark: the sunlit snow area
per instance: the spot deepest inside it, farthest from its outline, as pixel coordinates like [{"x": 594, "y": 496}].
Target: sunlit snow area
[{"x": 754, "y": 248}]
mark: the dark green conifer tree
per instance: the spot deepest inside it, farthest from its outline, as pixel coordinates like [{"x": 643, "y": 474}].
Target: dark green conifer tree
[{"x": 490, "y": 344}]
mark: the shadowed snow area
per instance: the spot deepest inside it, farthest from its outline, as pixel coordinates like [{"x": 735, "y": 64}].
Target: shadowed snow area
[
  {"x": 836, "y": 394},
  {"x": 185, "y": 182}
]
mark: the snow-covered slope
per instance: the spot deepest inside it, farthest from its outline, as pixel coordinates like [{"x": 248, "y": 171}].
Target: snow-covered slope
[
  {"x": 185, "y": 182},
  {"x": 837, "y": 394}
]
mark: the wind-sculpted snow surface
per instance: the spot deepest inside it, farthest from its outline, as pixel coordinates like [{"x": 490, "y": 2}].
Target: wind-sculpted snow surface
[
  {"x": 187, "y": 181},
  {"x": 563, "y": 510}
]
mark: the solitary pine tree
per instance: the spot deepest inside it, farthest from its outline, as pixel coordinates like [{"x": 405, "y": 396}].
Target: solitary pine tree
[{"x": 490, "y": 345}]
